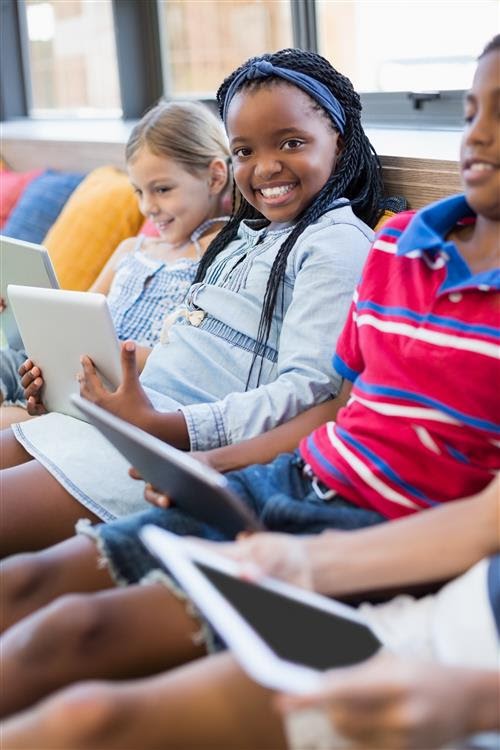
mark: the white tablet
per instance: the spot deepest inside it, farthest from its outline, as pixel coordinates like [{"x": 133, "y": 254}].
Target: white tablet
[
  {"x": 22, "y": 263},
  {"x": 57, "y": 327},
  {"x": 283, "y": 636},
  {"x": 195, "y": 488}
]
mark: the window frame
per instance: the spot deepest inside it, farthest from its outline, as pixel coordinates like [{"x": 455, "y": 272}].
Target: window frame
[{"x": 142, "y": 57}]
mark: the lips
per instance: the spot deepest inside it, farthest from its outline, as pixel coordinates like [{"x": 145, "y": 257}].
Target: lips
[
  {"x": 162, "y": 225},
  {"x": 476, "y": 169}
]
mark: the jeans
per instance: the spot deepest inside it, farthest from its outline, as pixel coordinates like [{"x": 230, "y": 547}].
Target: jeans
[{"x": 278, "y": 493}]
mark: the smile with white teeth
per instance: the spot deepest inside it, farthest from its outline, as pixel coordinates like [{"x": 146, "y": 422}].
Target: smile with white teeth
[
  {"x": 480, "y": 166},
  {"x": 276, "y": 192}
]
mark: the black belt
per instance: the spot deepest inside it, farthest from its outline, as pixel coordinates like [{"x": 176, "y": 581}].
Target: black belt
[{"x": 320, "y": 488}]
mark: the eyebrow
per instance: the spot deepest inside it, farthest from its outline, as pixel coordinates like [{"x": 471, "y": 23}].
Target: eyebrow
[
  {"x": 280, "y": 133},
  {"x": 471, "y": 97}
]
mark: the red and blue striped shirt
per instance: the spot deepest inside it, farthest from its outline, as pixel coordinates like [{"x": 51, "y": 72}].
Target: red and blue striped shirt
[{"x": 421, "y": 346}]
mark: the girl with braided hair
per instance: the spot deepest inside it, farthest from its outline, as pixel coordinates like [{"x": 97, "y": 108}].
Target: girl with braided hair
[
  {"x": 253, "y": 346},
  {"x": 252, "y": 351}
]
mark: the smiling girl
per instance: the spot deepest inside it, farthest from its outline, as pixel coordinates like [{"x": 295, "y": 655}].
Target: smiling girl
[
  {"x": 177, "y": 163},
  {"x": 269, "y": 300}
]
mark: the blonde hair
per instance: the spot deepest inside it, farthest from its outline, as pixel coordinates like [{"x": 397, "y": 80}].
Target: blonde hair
[{"x": 186, "y": 132}]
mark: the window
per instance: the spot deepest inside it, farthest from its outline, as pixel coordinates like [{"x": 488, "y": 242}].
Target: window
[
  {"x": 414, "y": 46},
  {"x": 411, "y": 59},
  {"x": 204, "y": 40},
  {"x": 72, "y": 58}
]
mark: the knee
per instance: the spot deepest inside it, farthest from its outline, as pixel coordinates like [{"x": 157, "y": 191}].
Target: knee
[
  {"x": 71, "y": 624},
  {"x": 82, "y": 716},
  {"x": 21, "y": 576}
]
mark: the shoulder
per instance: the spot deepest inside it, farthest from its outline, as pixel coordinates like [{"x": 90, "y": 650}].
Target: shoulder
[
  {"x": 126, "y": 247},
  {"x": 338, "y": 236}
]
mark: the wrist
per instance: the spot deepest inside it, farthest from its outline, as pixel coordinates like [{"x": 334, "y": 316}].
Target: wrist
[
  {"x": 326, "y": 558},
  {"x": 483, "y": 706}
]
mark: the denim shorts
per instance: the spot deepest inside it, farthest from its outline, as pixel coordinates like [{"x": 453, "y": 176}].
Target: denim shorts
[
  {"x": 10, "y": 380},
  {"x": 278, "y": 493}
]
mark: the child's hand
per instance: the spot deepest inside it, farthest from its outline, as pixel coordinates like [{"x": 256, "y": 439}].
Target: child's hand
[
  {"x": 390, "y": 702},
  {"x": 129, "y": 400},
  {"x": 150, "y": 494},
  {"x": 272, "y": 554},
  {"x": 32, "y": 382}
]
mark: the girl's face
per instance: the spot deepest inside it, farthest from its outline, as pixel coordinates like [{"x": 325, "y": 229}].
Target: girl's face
[
  {"x": 283, "y": 149},
  {"x": 480, "y": 150},
  {"x": 175, "y": 200}
]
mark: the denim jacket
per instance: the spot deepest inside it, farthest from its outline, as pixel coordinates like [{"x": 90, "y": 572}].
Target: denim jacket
[{"x": 205, "y": 364}]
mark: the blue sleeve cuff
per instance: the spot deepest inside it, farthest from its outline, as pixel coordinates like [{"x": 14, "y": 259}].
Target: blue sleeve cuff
[
  {"x": 494, "y": 588},
  {"x": 340, "y": 366}
]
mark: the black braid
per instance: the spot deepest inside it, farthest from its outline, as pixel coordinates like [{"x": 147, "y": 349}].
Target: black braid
[{"x": 357, "y": 177}]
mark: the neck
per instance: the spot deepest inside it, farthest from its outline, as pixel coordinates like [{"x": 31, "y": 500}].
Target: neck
[{"x": 478, "y": 244}]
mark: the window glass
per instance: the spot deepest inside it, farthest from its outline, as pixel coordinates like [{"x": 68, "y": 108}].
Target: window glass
[
  {"x": 204, "y": 40},
  {"x": 410, "y": 45},
  {"x": 72, "y": 58}
]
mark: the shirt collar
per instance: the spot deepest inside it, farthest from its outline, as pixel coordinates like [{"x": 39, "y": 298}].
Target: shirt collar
[
  {"x": 427, "y": 230},
  {"x": 426, "y": 235}
]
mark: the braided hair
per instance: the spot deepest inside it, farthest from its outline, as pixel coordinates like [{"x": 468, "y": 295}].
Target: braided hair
[{"x": 357, "y": 177}]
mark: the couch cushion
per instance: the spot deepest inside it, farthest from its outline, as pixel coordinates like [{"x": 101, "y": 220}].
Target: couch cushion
[
  {"x": 12, "y": 185},
  {"x": 40, "y": 205},
  {"x": 100, "y": 214}
]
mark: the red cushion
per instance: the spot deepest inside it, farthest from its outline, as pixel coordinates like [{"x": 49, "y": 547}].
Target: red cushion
[
  {"x": 12, "y": 185},
  {"x": 149, "y": 229}
]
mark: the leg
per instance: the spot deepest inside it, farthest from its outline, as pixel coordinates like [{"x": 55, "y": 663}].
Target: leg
[
  {"x": 129, "y": 632},
  {"x": 11, "y": 414},
  {"x": 32, "y": 580},
  {"x": 209, "y": 704},
  {"x": 36, "y": 510},
  {"x": 12, "y": 452}
]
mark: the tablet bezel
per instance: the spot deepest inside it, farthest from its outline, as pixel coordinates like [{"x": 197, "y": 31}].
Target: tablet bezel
[
  {"x": 253, "y": 653},
  {"x": 32, "y": 267},
  {"x": 58, "y": 326}
]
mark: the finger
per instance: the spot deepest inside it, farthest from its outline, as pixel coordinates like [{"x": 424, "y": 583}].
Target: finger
[
  {"x": 156, "y": 498},
  {"x": 35, "y": 408},
  {"x": 134, "y": 473},
  {"x": 30, "y": 375},
  {"x": 33, "y": 389},
  {"x": 26, "y": 365},
  {"x": 87, "y": 365},
  {"x": 129, "y": 364}
]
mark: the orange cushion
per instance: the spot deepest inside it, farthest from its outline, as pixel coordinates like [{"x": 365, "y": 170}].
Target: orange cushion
[
  {"x": 101, "y": 213},
  {"x": 385, "y": 217},
  {"x": 12, "y": 185}
]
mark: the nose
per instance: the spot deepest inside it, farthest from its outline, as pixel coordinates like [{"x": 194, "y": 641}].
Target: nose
[
  {"x": 481, "y": 130},
  {"x": 148, "y": 205},
  {"x": 267, "y": 167}
]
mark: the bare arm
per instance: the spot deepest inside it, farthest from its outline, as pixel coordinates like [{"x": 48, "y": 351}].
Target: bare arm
[
  {"x": 430, "y": 546},
  {"x": 103, "y": 282},
  {"x": 286, "y": 437}
]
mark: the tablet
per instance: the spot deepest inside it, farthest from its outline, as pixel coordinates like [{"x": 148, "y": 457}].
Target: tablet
[
  {"x": 196, "y": 488},
  {"x": 57, "y": 327},
  {"x": 22, "y": 263},
  {"x": 283, "y": 636}
]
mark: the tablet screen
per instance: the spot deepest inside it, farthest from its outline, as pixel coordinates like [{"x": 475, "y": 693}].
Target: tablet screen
[{"x": 295, "y": 631}]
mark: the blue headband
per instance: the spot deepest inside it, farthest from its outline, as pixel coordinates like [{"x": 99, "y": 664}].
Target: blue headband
[{"x": 315, "y": 89}]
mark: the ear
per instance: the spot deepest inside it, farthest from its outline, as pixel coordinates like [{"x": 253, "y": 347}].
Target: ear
[{"x": 218, "y": 175}]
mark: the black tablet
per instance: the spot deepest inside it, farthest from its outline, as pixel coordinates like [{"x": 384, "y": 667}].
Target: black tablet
[
  {"x": 194, "y": 487},
  {"x": 282, "y": 635}
]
